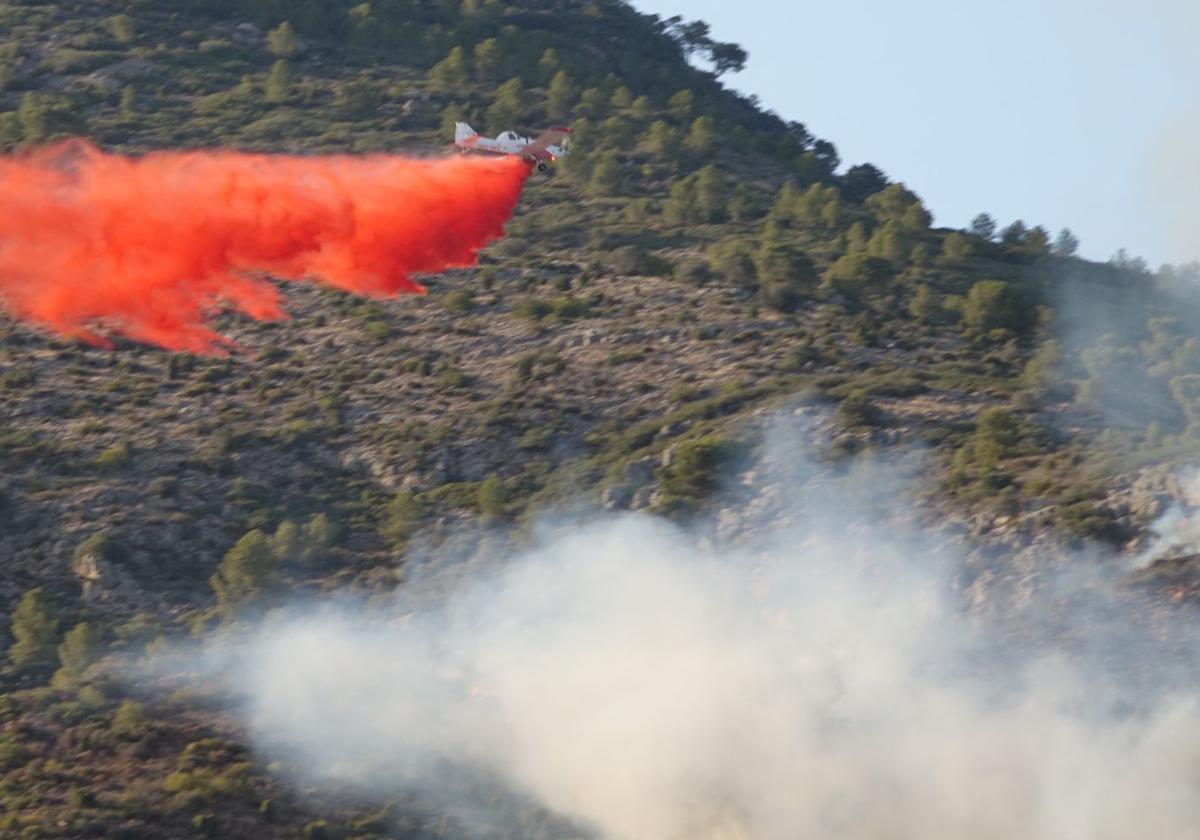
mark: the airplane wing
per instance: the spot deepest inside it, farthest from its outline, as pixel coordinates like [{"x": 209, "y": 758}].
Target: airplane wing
[{"x": 550, "y": 137}]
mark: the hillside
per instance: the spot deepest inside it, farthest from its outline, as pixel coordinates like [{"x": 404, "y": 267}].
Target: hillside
[{"x": 696, "y": 264}]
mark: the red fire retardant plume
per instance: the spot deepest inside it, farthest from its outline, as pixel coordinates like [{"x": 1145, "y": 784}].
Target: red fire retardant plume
[{"x": 151, "y": 247}]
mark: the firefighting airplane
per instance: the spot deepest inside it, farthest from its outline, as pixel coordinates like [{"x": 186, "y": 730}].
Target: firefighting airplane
[{"x": 547, "y": 147}]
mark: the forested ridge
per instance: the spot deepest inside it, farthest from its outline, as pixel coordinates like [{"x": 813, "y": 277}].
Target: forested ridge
[{"x": 695, "y": 262}]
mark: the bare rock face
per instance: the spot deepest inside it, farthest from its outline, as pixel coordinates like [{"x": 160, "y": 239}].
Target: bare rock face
[{"x": 104, "y": 581}]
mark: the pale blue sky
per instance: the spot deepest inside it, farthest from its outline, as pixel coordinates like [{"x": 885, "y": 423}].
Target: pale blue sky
[{"x": 1065, "y": 113}]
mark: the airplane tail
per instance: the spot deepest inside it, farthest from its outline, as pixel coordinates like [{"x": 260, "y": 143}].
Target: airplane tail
[{"x": 462, "y": 131}]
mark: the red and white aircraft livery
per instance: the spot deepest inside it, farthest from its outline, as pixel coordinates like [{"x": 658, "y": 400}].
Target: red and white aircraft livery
[{"x": 547, "y": 147}]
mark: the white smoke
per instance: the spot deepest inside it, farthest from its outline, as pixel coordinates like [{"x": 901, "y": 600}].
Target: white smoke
[
  {"x": 1176, "y": 531},
  {"x": 627, "y": 675}
]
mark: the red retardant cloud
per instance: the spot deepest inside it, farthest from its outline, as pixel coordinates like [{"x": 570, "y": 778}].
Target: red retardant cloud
[{"x": 152, "y": 247}]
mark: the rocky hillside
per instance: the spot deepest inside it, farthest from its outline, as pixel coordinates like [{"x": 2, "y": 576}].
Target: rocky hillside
[{"x": 695, "y": 265}]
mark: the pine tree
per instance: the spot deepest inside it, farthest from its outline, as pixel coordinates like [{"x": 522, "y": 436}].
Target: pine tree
[
  {"x": 1037, "y": 242},
  {"x": 925, "y": 306},
  {"x": 282, "y": 41},
  {"x": 33, "y": 116},
  {"x": 246, "y": 573},
  {"x": 984, "y": 226},
  {"x": 661, "y": 140},
  {"x": 559, "y": 95},
  {"x": 404, "y": 512},
  {"x": 856, "y": 239},
  {"x": 593, "y": 102},
  {"x": 741, "y": 204},
  {"x": 279, "y": 82},
  {"x": 606, "y": 174},
  {"x": 711, "y": 194},
  {"x": 286, "y": 541},
  {"x": 34, "y": 628},
  {"x": 487, "y": 59},
  {"x": 320, "y": 531},
  {"x": 492, "y": 496},
  {"x": 784, "y": 274},
  {"x": 122, "y": 29},
  {"x": 450, "y": 73},
  {"x": 79, "y": 649},
  {"x": 1014, "y": 235},
  {"x": 956, "y": 248},
  {"x": 702, "y": 138},
  {"x": 887, "y": 243},
  {"x": 549, "y": 65},
  {"x": 1066, "y": 244},
  {"x": 681, "y": 105},
  {"x": 507, "y": 107},
  {"x": 680, "y": 207},
  {"x": 128, "y": 108}
]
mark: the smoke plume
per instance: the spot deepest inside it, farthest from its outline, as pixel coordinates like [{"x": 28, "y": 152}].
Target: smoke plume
[
  {"x": 645, "y": 683},
  {"x": 152, "y": 247}
]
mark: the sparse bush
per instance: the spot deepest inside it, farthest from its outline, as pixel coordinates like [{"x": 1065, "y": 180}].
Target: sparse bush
[
  {"x": 858, "y": 411},
  {"x": 630, "y": 259},
  {"x": 693, "y": 271},
  {"x": 115, "y": 457},
  {"x": 122, "y": 28},
  {"x": 459, "y": 300},
  {"x": 533, "y": 309}
]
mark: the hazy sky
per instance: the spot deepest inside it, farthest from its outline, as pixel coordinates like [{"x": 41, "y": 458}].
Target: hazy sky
[{"x": 1075, "y": 113}]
